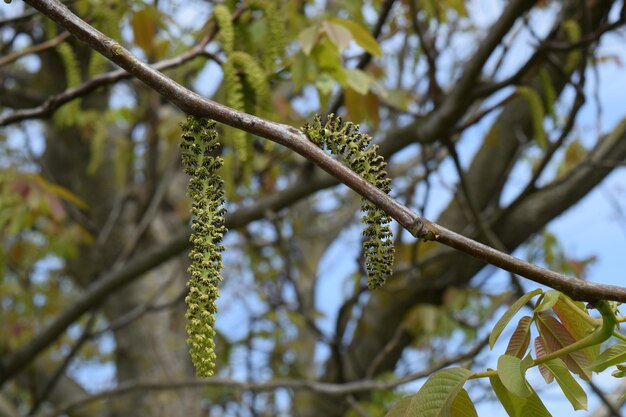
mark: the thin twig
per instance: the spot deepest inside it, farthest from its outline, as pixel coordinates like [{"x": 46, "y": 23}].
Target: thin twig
[{"x": 51, "y": 43}]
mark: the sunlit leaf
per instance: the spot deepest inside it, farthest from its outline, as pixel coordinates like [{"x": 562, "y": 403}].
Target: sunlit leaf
[
  {"x": 614, "y": 355},
  {"x": 571, "y": 313},
  {"x": 361, "y": 36},
  {"x": 548, "y": 300},
  {"x": 516, "y": 406},
  {"x": 462, "y": 406},
  {"x": 338, "y": 35},
  {"x": 512, "y": 374},
  {"x": 308, "y": 38},
  {"x": 358, "y": 80},
  {"x": 620, "y": 372},
  {"x": 435, "y": 397},
  {"x": 572, "y": 390},
  {"x": 144, "y": 28},
  {"x": 506, "y": 317}
]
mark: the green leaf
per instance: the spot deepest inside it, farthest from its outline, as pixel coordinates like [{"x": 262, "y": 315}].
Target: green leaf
[
  {"x": 516, "y": 406},
  {"x": 549, "y": 299},
  {"x": 512, "y": 374},
  {"x": 620, "y": 372},
  {"x": 436, "y": 396},
  {"x": 361, "y": 36},
  {"x": 338, "y": 35},
  {"x": 614, "y": 355},
  {"x": 504, "y": 320},
  {"x": 520, "y": 339},
  {"x": 404, "y": 408},
  {"x": 302, "y": 70},
  {"x": 572, "y": 390},
  {"x": 462, "y": 406},
  {"x": 555, "y": 336},
  {"x": 58, "y": 190},
  {"x": 144, "y": 28},
  {"x": 308, "y": 38},
  {"x": 358, "y": 80}
]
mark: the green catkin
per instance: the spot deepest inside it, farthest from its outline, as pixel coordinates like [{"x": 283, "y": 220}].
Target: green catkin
[
  {"x": 227, "y": 31},
  {"x": 240, "y": 66},
  {"x": 548, "y": 92},
  {"x": 68, "y": 114},
  {"x": 537, "y": 114},
  {"x": 573, "y": 34},
  {"x": 206, "y": 190},
  {"x": 256, "y": 78},
  {"x": 356, "y": 151},
  {"x": 274, "y": 41}
]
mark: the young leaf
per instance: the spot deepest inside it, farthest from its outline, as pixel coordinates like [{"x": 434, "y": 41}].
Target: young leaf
[
  {"x": 541, "y": 352},
  {"x": 549, "y": 299},
  {"x": 512, "y": 374},
  {"x": 520, "y": 339},
  {"x": 462, "y": 406},
  {"x": 338, "y": 35},
  {"x": 436, "y": 396},
  {"x": 572, "y": 390},
  {"x": 555, "y": 336},
  {"x": 620, "y": 372},
  {"x": 358, "y": 80},
  {"x": 614, "y": 355},
  {"x": 308, "y": 38},
  {"x": 144, "y": 28},
  {"x": 361, "y": 36},
  {"x": 518, "y": 406},
  {"x": 504, "y": 320},
  {"x": 570, "y": 314}
]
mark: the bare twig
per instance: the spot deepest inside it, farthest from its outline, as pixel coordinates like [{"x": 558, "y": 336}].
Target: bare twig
[
  {"x": 349, "y": 388},
  {"x": 51, "y": 43}
]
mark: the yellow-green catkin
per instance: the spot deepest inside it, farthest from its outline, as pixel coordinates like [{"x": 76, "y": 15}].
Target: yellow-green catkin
[
  {"x": 206, "y": 190},
  {"x": 356, "y": 151},
  {"x": 537, "y": 114},
  {"x": 573, "y": 34}
]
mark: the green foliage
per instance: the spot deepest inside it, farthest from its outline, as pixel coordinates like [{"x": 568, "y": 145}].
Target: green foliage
[
  {"x": 515, "y": 405},
  {"x": 436, "y": 397},
  {"x": 572, "y": 390},
  {"x": 198, "y": 144},
  {"x": 558, "y": 353},
  {"x": 356, "y": 151}
]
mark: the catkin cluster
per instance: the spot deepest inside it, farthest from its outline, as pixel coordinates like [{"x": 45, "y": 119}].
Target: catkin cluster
[
  {"x": 206, "y": 190},
  {"x": 356, "y": 151}
]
